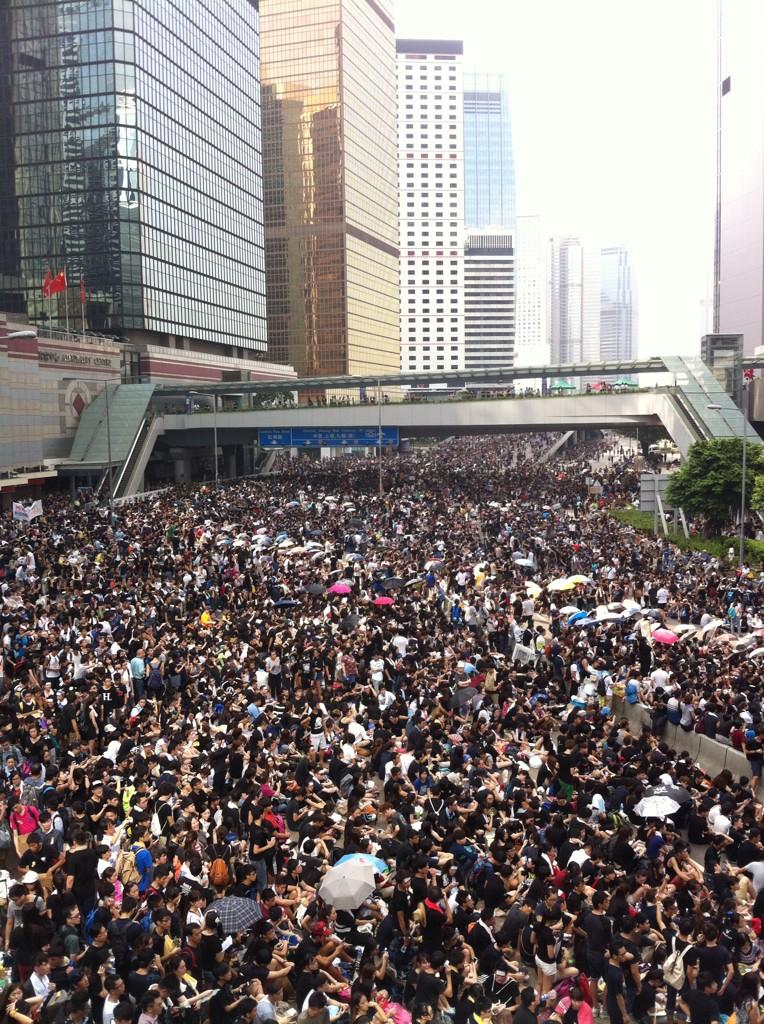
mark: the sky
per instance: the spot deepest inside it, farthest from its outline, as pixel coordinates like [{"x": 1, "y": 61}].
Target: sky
[{"x": 614, "y": 120}]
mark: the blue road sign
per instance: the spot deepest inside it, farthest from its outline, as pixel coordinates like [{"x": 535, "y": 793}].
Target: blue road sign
[{"x": 328, "y": 437}]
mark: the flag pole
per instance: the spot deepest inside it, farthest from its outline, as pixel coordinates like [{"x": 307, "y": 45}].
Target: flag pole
[
  {"x": 82, "y": 304},
  {"x": 66, "y": 297}
]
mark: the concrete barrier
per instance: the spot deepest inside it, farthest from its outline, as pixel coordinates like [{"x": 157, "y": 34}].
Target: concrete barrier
[{"x": 711, "y": 755}]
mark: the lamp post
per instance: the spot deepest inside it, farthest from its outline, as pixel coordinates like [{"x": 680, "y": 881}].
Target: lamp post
[
  {"x": 214, "y": 400},
  {"x": 379, "y": 437},
  {"x": 741, "y": 540}
]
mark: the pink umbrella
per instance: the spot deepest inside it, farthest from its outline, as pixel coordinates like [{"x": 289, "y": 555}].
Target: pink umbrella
[
  {"x": 383, "y": 600},
  {"x": 339, "y": 588},
  {"x": 665, "y": 636}
]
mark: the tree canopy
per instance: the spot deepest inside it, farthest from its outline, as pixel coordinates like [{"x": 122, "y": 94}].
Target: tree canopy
[{"x": 709, "y": 482}]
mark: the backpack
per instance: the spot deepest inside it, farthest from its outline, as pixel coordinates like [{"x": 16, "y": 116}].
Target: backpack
[
  {"x": 89, "y": 922},
  {"x": 673, "y": 967},
  {"x": 29, "y": 793},
  {"x": 128, "y": 872},
  {"x": 616, "y": 819},
  {"x": 219, "y": 874},
  {"x": 478, "y": 874},
  {"x": 5, "y": 836}
]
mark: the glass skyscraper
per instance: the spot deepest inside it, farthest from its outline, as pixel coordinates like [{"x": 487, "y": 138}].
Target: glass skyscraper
[
  {"x": 331, "y": 185},
  {"x": 130, "y": 152},
  {"x": 616, "y": 304},
  {"x": 489, "y": 167}
]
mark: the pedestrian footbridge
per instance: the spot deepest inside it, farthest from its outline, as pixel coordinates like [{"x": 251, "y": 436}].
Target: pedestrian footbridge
[{"x": 171, "y": 426}]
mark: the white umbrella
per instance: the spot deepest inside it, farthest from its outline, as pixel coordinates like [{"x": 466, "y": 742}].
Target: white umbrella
[
  {"x": 629, "y": 602},
  {"x": 346, "y": 886},
  {"x": 710, "y": 627},
  {"x": 656, "y": 807},
  {"x": 757, "y": 653},
  {"x": 560, "y": 584},
  {"x": 286, "y": 543},
  {"x": 569, "y": 609}
]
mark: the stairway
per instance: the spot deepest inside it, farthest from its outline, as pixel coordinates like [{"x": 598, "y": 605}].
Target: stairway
[{"x": 95, "y": 440}]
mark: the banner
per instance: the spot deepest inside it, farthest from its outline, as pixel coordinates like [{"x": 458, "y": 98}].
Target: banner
[{"x": 25, "y": 514}]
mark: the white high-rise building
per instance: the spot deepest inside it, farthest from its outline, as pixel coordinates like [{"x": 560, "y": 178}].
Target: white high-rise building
[
  {"x": 431, "y": 194},
  {"x": 489, "y": 300},
  {"x": 532, "y": 271},
  {"x": 575, "y": 301}
]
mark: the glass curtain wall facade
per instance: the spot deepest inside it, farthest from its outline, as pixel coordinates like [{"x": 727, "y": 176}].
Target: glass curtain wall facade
[
  {"x": 130, "y": 152},
  {"x": 330, "y": 185},
  {"x": 616, "y": 304},
  {"x": 489, "y": 166}
]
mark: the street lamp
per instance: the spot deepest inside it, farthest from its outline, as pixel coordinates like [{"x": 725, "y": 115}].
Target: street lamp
[
  {"x": 741, "y": 542},
  {"x": 214, "y": 400},
  {"x": 379, "y": 436}
]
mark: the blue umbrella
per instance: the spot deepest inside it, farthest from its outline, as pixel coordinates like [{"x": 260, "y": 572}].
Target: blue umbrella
[
  {"x": 577, "y": 616},
  {"x": 379, "y": 865},
  {"x": 286, "y": 602}
]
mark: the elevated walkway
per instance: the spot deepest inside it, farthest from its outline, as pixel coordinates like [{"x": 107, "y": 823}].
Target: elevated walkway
[{"x": 136, "y": 425}]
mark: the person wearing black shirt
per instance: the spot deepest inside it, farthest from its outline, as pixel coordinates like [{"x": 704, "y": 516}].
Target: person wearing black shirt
[
  {"x": 700, "y": 1003},
  {"x": 615, "y": 996},
  {"x": 401, "y": 909},
  {"x": 80, "y": 868},
  {"x": 529, "y": 1004}
]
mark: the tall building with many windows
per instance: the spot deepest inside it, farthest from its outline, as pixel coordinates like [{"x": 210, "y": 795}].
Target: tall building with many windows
[
  {"x": 431, "y": 189},
  {"x": 489, "y": 300},
  {"x": 617, "y": 307},
  {"x": 739, "y": 262},
  {"x": 130, "y": 155},
  {"x": 533, "y": 277},
  {"x": 575, "y": 301},
  {"x": 489, "y": 167},
  {"x": 330, "y": 185}
]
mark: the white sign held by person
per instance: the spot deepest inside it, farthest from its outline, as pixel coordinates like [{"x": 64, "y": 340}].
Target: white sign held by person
[{"x": 26, "y": 513}]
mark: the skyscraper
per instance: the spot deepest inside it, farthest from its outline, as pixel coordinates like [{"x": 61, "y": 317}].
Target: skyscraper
[
  {"x": 489, "y": 300},
  {"x": 532, "y": 270},
  {"x": 330, "y": 181},
  {"x": 739, "y": 263},
  {"x": 431, "y": 188},
  {"x": 616, "y": 304},
  {"x": 489, "y": 168},
  {"x": 130, "y": 153},
  {"x": 575, "y": 301}
]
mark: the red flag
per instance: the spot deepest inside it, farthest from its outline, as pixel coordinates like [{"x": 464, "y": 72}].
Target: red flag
[
  {"x": 58, "y": 284},
  {"x": 83, "y": 293},
  {"x": 46, "y": 283},
  {"x": 748, "y": 375}
]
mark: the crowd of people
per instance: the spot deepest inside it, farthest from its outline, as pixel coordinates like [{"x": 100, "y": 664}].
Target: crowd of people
[{"x": 213, "y": 698}]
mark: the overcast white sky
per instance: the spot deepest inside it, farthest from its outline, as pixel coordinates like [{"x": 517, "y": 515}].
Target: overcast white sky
[{"x": 614, "y": 120}]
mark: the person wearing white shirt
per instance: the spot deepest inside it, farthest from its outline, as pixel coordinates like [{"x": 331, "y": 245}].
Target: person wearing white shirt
[
  {"x": 377, "y": 666},
  {"x": 38, "y": 979}
]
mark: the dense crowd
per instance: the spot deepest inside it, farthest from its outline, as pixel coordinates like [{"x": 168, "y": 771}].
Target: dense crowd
[{"x": 289, "y": 750}]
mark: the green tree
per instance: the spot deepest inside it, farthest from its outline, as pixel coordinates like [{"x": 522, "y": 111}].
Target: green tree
[{"x": 709, "y": 481}]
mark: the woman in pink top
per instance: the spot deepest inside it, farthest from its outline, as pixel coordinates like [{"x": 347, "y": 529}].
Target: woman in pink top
[{"x": 23, "y": 821}]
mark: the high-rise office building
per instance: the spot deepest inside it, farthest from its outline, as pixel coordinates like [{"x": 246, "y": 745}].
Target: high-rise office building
[
  {"x": 431, "y": 189},
  {"x": 130, "y": 154},
  {"x": 489, "y": 300},
  {"x": 616, "y": 304},
  {"x": 330, "y": 185},
  {"x": 533, "y": 275},
  {"x": 489, "y": 168},
  {"x": 575, "y": 301},
  {"x": 739, "y": 263}
]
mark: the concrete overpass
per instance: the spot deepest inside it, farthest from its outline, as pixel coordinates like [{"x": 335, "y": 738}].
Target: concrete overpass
[{"x": 150, "y": 423}]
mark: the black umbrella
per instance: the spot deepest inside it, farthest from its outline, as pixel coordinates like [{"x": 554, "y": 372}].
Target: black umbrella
[
  {"x": 393, "y": 583},
  {"x": 314, "y": 588},
  {"x": 349, "y": 623},
  {"x": 355, "y": 521},
  {"x": 676, "y": 793},
  {"x": 415, "y": 581},
  {"x": 462, "y": 696},
  {"x": 287, "y": 602},
  {"x": 236, "y": 913}
]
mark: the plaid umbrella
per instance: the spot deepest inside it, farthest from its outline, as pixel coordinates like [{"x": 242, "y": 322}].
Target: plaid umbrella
[{"x": 236, "y": 913}]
